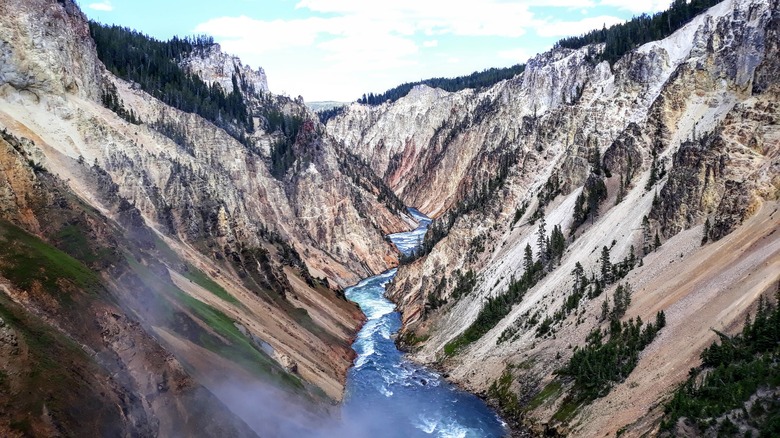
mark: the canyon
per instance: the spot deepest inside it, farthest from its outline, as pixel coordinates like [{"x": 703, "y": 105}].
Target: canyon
[
  {"x": 164, "y": 273},
  {"x": 701, "y": 103}
]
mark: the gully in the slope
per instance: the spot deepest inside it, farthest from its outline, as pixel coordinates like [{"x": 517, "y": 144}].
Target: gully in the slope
[{"x": 388, "y": 395}]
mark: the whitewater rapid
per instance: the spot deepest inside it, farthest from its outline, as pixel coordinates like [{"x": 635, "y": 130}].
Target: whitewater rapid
[{"x": 390, "y": 396}]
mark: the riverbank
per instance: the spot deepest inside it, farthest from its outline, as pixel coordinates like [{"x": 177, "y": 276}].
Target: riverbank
[{"x": 387, "y": 394}]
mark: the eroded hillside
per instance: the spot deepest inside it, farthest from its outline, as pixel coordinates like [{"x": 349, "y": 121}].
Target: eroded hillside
[
  {"x": 657, "y": 174},
  {"x": 192, "y": 267}
]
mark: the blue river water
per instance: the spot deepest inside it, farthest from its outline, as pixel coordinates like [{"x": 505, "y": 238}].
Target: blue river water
[{"x": 390, "y": 396}]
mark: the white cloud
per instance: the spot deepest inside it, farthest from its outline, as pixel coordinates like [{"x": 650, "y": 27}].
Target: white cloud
[
  {"x": 354, "y": 53},
  {"x": 638, "y": 6},
  {"x": 105, "y": 6},
  {"x": 247, "y": 35},
  {"x": 337, "y": 45},
  {"x": 573, "y": 28},
  {"x": 358, "y": 36},
  {"x": 433, "y": 17},
  {"x": 519, "y": 55}
]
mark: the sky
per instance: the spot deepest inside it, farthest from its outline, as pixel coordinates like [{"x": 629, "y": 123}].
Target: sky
[{"x": 339, "y": 49}]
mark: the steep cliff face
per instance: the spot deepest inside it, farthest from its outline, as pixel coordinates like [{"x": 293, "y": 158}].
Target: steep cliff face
[
  {"x": 212, "y": 189},
  {"x": 54, "y": 58},
  {"x": 202, "y": 247},
  {"x": 74, "y": 362},
  {"x": 214, "y": 66},
  {"x": 628, "y": 157}
]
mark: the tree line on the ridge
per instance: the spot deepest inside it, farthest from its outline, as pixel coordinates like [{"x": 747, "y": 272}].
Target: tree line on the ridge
[
  {"x": 618, "y": 40},
  {"x": 153, "y": 65},
  {"x": 477, "y": 79}
]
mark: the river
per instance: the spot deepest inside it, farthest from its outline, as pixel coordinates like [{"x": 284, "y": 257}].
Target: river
[{"x": 390, "y": 396}]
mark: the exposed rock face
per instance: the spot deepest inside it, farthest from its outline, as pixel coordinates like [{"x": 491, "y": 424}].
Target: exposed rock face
[
  {"x": 219, "y": 190},
  {"x": 689, "y": 117},
  {"x": 691, "y": 189},
  {"x": 94, "y": 369},
  {"x": 402, "y": 138},
  {"x": 56, "y": 57},
  {"x": 214, "y": 66},
  {"x": 624, "y": 156}
]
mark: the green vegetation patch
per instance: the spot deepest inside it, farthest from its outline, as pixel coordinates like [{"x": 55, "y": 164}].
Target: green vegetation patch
[
  {"x": 602, "y": 363},
  {"x": 201, "y": 279},
  {"x": 233, "y": 345},
  {"x": 72, "y": 240},
  {"x": 566, "y": 411},
  {"x": 410, "y": 338},
  {"x": 192, "y": 273},
  {"x": 551, "y": 391},
  {"x": 26, "y": 260},
  {"x": 501, "y": 391},
  {"x": 732, "y": 372}
]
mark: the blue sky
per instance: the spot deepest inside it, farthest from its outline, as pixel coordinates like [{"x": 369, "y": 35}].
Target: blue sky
[{"x": 339, "y": 49}]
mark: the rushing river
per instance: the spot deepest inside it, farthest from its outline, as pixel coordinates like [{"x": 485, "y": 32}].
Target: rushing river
[{"x": 389, "y": 396}]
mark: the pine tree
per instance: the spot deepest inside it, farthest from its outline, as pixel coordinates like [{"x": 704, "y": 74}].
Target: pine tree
[
  {"x": 528, "y": 259},
  {"x": 653, "y": 174},
  {"x": 627, "y": 295},
  {"x": 541, "y": 242},
  {"x": 579, "y": 273},
  {"x": 597, "y": 289},
  {"x": 645, "y": 235},
  {"x": 595, "y": 161},
  {"x": 580, "y": 214},
  {"x": 596, "y": 194},
  {"x": 706, "y": 233},
  {"x": 660, "y": 320},
  {"x": 622, "y": 299},
  {"x": 604, "y": 310},
  {"x": 557, "y": 244},
  {"x": 606, "y": 266}
]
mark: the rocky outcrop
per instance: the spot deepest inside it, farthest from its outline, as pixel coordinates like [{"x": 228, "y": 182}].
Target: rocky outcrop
[
  {"x": 220, "y": 193},
  {"x": 691, "y": 191},
  {"x": 54, "y": 58},
  {"x": 726, "y": 173},
  {"x": 214, "y": 66},
  {"x": 624, "y": 157}
]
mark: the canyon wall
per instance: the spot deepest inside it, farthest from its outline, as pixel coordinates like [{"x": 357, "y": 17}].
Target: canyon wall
[
  {"x": 681, "y": 133},
  {"x": 203, "y": 265}
]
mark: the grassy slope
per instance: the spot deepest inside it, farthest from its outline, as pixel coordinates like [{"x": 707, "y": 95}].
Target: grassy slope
[
  {"x": 223, "y": 337},
  {"x": 49, "y": 370}
]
